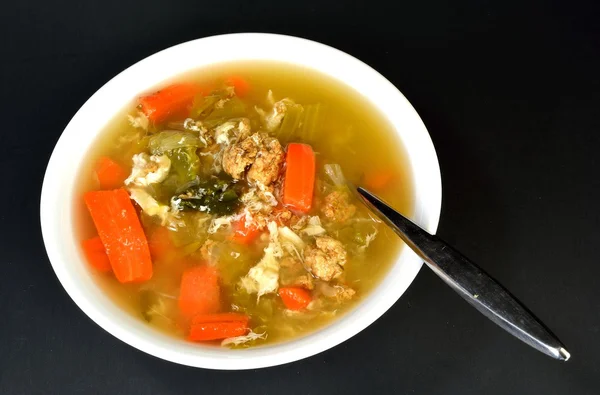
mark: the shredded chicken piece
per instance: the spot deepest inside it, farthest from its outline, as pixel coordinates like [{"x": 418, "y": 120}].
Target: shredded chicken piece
[
  {"x": 148, "y": 169},
  {"x": 327, "y": 259},
  {"x": 337, "y": 208}
]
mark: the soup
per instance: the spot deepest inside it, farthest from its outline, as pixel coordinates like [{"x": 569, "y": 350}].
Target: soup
[{"x": 216, "y": 207}]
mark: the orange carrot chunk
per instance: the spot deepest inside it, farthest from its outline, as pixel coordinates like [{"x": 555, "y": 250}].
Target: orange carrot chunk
[
  {"x": 96, "y": 254},
  {"x": 240, "y": 85},
  {"x": 295, "y": 298},
  {"x": 121, "y": 233},
  {"x": 200, "y": 291},
  {"x": 243, "y": 234},
  {"x": 299, "y": 177},
  {"x": 110, "y": 174},
  {"x": 160, "y": 243},
  {"x": 378, "y": 180},
  {"x": 217, "y": 330},
  {"x": 174, "y": 100},
  {"x": 220, "y": 317}
]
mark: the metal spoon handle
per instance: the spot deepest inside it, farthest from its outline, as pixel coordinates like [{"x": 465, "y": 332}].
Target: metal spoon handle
[{"x": 470, "y": 281}]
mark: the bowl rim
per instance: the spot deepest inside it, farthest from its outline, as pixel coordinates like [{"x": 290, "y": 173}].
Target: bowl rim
[{"x": 57, "y": 229}]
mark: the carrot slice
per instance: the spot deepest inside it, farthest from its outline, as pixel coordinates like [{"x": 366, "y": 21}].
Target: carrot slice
[
  {"x": 200, "y": 291},
  {"x": 174, "y": 100},
  {"x": 240, "y": 85},
  {"x": 121, "y": 233},
  {"x": 243, "y": 234},
  {"x": 160, "y": 243},
  {"x": 110, "y": 174},
  {"x": 295, "y": 298},
  {"x": 299, "y": 177},
  {"x": 220, "y": 317},
  {"x": 378, "y": 180},
  {"x": 217, "y": 330},
  {"x": 96, "y": 254}
]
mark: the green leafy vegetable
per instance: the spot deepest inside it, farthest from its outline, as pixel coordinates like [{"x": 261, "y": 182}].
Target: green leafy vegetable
[{"x": 217, "y": 195}]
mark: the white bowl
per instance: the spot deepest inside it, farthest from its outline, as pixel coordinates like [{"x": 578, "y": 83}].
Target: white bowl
[{"x": 56, "y": 208}]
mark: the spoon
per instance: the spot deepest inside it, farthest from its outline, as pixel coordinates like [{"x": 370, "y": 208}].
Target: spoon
[{"x": 470, "y": 281}]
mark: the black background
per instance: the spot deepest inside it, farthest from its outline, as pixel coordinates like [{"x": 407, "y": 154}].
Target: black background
[{"x": 510, "y": 93}]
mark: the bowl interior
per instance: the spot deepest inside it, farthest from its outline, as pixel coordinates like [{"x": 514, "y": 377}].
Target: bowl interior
[{"x": 59, "y": 188}]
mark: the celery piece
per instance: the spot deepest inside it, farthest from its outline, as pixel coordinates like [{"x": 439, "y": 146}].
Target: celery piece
[
  {"x": 290, "y": 123},
  {"x": 310, "y": 122}
]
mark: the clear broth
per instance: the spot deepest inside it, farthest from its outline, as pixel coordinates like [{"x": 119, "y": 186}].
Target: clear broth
[{"x": 353, "y": 134}]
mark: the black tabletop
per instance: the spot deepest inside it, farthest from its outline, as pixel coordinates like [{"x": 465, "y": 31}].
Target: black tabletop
[{"x": 510, "y": 93}]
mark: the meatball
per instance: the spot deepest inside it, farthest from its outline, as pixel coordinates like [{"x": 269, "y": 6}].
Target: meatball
[
  {"x": 267, "y": 165},
  {"x": 237, "y": 157},
  {"x": 325, "y": 261},
  {"x": 263, "y": 156},
  {"x": 337, "y": 208}
]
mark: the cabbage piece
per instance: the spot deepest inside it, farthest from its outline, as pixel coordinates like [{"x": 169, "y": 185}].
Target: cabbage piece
[
  {"x": 172, "y": 139},
  {"x": 185, "y": 164}
]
